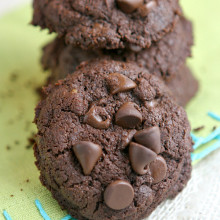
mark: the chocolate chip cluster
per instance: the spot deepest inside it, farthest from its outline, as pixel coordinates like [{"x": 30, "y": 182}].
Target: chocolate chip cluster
[{"x": 144, "y": 145}]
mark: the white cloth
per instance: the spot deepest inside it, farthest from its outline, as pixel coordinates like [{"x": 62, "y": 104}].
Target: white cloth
[{"x": 200, "y": 200}]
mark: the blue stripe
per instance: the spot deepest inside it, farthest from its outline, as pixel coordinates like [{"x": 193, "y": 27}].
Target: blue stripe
[
  {"x": 6, "y": 215},
  {"x": 212, "y": 136},
  {"x": 68, "y": 217},
  {"x": 214, "y": 116},
  {"x": 194, "y": 138},
  {"x": 41, "y": 210},
  {"x": 206, "y": 152},
  {"x": 200, "y": 141}
]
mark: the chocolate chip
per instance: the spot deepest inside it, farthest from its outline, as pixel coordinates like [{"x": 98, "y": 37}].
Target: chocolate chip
[
  {"x": 126, "y": 139},
  {"x": 150, "y": 138},
  {"x": 88, "y": 154},
  {"x": 158, "y": 169},
  {"x": 120, "y": 83},
  {"x": 147, "y": 8},
  {"x": 199, "y": 128},
  {"x": 214, "y": 128},
  {"x": 140, "y": 157},
  {"x": 97, "y": 117},
  {"x": 128, "y": 6},
  {"x": 128, "y": 116},
  {"x": 118, "y": 195}
]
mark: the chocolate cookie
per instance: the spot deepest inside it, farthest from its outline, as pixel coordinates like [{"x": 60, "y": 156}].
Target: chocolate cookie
[
  {"x": 110, "y": 24},
  {"x": 111, "y": 141},
  {"x": 183, "y": 85},
  {"x": 163, "y": 58}
]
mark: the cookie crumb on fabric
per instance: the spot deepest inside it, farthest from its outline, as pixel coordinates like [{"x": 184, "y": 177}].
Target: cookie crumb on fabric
[
  {"x": 214, "y": 128},
  {"x": 11, "y": 195},
  {"x": 199, "y": 128},
  {"x": 17, "y": 142},
  {"x": 14, "y": 76},
  {"x": 28, "y": 147},
  {"x": 31, "y": 142}
]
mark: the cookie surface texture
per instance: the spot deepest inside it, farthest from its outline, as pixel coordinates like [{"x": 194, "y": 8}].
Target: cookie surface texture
[{"x": 142, "y": 119}]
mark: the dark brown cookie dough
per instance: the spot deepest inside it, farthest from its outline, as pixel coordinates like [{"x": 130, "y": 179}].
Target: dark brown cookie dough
[
  {"x": 140, "y": 119},
  {"x": 107, "y": 24},
  {"x": 183, "y": 85},
  {"x": 163, "y": 58},
  {"x": 183, "y": 179}
]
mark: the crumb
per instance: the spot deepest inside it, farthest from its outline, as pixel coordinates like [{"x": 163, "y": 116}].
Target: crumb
[
  {"x": 12, "y": 195},
  {"x": 21, "y": 190},
  {"x": 214, "y": 128},
  {"x": 17, "y": 142},
  {"x": 31, "y": 141},
  {"x": 39, "y": 92},
  {"x": 27, "y": 180},
  {"x": 28, "y": 147},
  {"x": 13, "y": 76},
  {"x": 8, "y": 147},
  {"x": 199, "y": 128}
]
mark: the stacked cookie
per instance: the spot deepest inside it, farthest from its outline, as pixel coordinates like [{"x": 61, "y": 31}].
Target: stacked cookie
[
  {"x": 155, "y": 35},
  {"x": 113, "y": 142}
]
